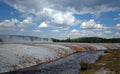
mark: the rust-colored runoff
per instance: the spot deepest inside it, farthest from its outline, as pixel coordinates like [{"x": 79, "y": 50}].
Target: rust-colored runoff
[
  {"x": 93, "y": 48},
  {"x": 78, "y": 49}
]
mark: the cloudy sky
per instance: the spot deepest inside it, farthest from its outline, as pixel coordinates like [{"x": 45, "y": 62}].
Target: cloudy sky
[{"x": 60, "y": 18}]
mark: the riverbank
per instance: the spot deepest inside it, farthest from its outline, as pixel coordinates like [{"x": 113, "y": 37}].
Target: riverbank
[
  {"x": 109, "y": 63},
  {"x": 58, "y": 58}
]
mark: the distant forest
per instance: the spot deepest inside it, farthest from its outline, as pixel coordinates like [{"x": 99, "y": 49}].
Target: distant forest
[
  {"x": 87, "y": 40},
  {"x": 90, "y": 40}
]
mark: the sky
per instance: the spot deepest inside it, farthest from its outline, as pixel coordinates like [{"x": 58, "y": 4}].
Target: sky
[{"x": 60, "y": 19}]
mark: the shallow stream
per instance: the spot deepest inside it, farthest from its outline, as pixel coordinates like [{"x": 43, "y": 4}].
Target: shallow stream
[{"x": 67, "y": 65}]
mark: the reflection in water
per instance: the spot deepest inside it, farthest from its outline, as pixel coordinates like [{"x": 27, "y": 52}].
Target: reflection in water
[{"x": 68, "y": 65}]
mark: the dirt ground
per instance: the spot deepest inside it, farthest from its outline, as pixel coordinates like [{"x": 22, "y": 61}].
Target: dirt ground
[{"x": 106, "y": 64}]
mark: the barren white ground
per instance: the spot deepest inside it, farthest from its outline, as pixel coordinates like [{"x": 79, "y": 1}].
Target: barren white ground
[{"x": 19, "y": 56}]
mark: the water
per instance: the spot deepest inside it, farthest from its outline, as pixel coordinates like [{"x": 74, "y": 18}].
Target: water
[{"x": 67, "y": 65}]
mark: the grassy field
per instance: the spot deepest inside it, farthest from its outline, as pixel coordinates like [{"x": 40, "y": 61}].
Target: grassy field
[{"x": 108, "y": 63}]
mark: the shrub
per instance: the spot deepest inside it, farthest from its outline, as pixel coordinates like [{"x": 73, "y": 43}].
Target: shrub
[{"x": 83, "y": 65}]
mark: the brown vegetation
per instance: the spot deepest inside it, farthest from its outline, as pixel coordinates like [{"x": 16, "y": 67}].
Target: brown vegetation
[{"x": 109, "y": 62}]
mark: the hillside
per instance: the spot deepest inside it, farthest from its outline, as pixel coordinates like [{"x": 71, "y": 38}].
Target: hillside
[{"x": 90, "y": 40}]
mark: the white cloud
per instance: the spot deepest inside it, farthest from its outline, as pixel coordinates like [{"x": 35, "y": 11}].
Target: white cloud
[
  {"x": 22, "y": 30},
  {"x": 91, "y": 24},
  {"x": 61, "y": 12},
  {"x": 26, "y": 22},
  {"x": 55, "y": 31},
  {"x": 83, "y": 33},
  {"x": 107, "y": 32},
  {"x": 99, "y": 34},
  {"x": 64, "y": 18},
  {"x": 59, "y": 17},
  {"x": 74, "y": 31},
  {"x": 37, "y": 31},
  {"x": 63, "y": 28},
  {"x": 74, "y": 34},
  {"x": 119, "y": 14},
  {"x": 95, "y": 7},
  {"x": 86, "y": 32},
  {"x": 117, "y": 35},
  {"x": 118, "y": 26},
  {"x": 8, "y": 24},
  {"x": 43, "y": 25},
  {"x": 117, "y": 18},
  {"x": 14, "y": 21},
  {"x": 27, "y": 6}
]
